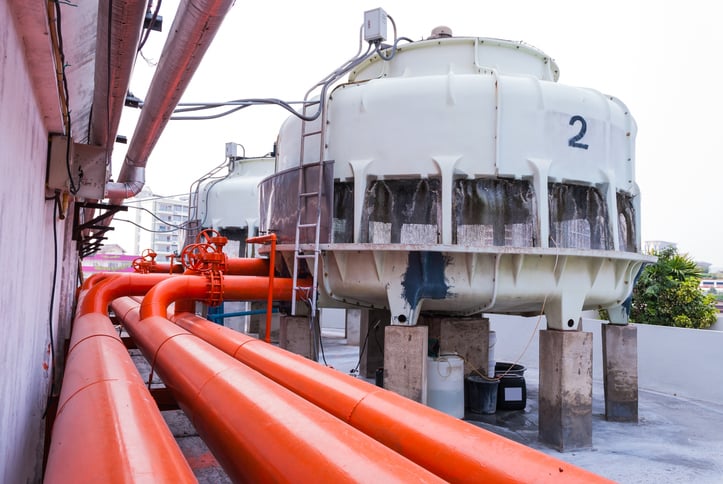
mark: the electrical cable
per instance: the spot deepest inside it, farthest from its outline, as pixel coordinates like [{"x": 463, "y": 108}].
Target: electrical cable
[
  {"x": 175, "y": 229},
  {"x": 364, "y": 345},
  {"x": 150, "y": 24},
  {"x": 56, "y": 209},
  {"x": 66, "y": 98}
]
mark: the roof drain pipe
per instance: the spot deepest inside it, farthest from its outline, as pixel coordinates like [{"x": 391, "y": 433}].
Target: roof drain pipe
[{"x": 193, "y": 29}]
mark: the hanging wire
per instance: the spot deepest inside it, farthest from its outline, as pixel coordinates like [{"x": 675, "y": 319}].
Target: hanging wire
[
  {"x": 149, "y": 28},
  {"x": 66, "y": 96}
]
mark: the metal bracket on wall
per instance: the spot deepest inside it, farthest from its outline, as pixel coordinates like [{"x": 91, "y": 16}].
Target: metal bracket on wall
[{"x": 90, "y": 234}]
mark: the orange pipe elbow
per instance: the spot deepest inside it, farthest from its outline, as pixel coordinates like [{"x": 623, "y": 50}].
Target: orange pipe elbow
[
  {"x": 97, "y": 298},
  {"x": 258, "y": 430},
  {"x": 448, "y": 447},
  {"x": 240, "y": 288}
]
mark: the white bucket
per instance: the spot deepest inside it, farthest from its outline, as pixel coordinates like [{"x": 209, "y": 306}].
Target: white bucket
[
  {"x": 445, "y": 384},
  {"x": 491, "y": 355}
]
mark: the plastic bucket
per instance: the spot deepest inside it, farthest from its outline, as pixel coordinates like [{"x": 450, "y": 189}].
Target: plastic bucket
[
  {"x": 480, "y": 394},
  {"x": 512, "y": 390},
  {"x": 445, "y": 384},
  {"x": 502, "y": 368}
]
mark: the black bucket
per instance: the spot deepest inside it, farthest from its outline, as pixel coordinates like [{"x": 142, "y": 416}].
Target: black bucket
[
  {"x": 512, "y": 391},
  {"x": 480, "y": 394},
  {"x": 502, "y": 368}
]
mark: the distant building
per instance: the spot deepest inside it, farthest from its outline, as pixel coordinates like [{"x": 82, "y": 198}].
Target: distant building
[
  {"x": 152, "y": 222},
  {"x": 650, "y": 246},
  {"x": 110, "y": 258}
]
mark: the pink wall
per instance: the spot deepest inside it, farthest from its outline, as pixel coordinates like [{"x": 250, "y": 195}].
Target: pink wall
[{"x": 26, "y": 266}]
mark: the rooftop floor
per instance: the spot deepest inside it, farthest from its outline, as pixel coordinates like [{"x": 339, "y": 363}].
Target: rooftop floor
[{"x": 676, "y": 440}]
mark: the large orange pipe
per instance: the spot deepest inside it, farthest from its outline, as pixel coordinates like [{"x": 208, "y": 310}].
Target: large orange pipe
[
  {"x": 448, "y": 447},
  {"x": 108, "y": 427},
  {"x": 258, "y": 430},
  {"x": 240, "y": 288}
]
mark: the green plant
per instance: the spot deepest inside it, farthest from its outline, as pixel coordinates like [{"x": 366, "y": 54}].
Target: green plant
[{"x": 668, "y": 294}]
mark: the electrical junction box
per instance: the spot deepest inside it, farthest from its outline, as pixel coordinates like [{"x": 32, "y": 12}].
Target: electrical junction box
[
  {"x": 85, "y": 163},
  {"x": 375, "y": 25}
]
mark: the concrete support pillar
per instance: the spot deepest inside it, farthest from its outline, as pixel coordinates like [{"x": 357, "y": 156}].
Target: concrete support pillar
[
  {"x": 620, "y": 372},
  {"x": 371, "y": 334},
  {"x": 353, "y": 326},
  {"x": 469, "y": 338},
  {"x": 295, "y": 336},
  {"x": 405, "y": 361},
  {"x": 565, "y": 406}
]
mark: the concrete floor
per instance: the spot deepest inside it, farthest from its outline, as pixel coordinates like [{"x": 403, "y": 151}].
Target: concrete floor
[{"x": 677, "y": 439}]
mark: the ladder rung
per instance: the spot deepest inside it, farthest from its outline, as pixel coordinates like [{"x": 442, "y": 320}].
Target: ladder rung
[
  {"x": 312, "y": 133},
  {"x": 305, "y": 256},
  {"x": 308, "y": 194},
  {"x": 307, "y": 226}
]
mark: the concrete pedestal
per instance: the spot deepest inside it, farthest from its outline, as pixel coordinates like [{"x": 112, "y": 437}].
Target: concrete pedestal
[
  {"x": 405, "y": 361},
  {"x": 620, "y": 372},
  {"x": 353, "y": 326},
  {"x": 295, "y": 336},
  {"x": 565, "y": 406},
  {"x": 371, "y": 334},
  {"x": 468, "y": 337}
]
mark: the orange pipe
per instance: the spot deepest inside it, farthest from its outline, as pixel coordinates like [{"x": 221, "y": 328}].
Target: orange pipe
[
  {"x": 108, "y": 428},
  {"x": 235, "y": 266},
  {"x": 248, "y": 267},
  {"x": 166, "y": 268},
  {"x": 100, "y": 294},
  {"x": 272, "y": 266},
  {"x": 240, "y": 288},
  {"x": 448, "y": 447},
  {"x": 258, "y": 430}
]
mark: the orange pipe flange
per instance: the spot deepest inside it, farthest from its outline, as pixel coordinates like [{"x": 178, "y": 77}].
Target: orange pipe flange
[
  {"x": 108, "y": 428},
  {"x": 258, "y": 430},
  {"x": 448, "y": 447},
  {"x": 240, "y": 288}
]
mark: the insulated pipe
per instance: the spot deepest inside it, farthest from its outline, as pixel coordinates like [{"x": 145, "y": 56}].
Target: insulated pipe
[
  {"x": 240, "y": 288},
  {"x": 108, "y": 427},
  {"x": 101, "y": 292},
  {"x": 448, "y": 447},
  {"x": 194, "y": 27},
  {"x": 258, "y": 430}
]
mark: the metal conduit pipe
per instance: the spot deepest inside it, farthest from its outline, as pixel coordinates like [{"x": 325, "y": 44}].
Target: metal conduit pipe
[
  {"x": 240, "y": 288},
  {"x": 108, "y": 427},
  {"x": 194, "y": 27},
  {"x": 448, "y": 447},
  {"x": 258, "y": 430}
]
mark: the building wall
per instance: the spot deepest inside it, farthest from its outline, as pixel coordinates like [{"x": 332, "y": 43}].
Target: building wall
[{"x": 26, "y": 267}]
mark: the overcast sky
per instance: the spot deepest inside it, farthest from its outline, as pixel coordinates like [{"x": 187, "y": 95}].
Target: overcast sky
[{"x": 663, "y": 59}]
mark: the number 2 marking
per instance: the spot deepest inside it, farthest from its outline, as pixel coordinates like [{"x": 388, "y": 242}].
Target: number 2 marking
[{"x": 573, "y": 142}]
